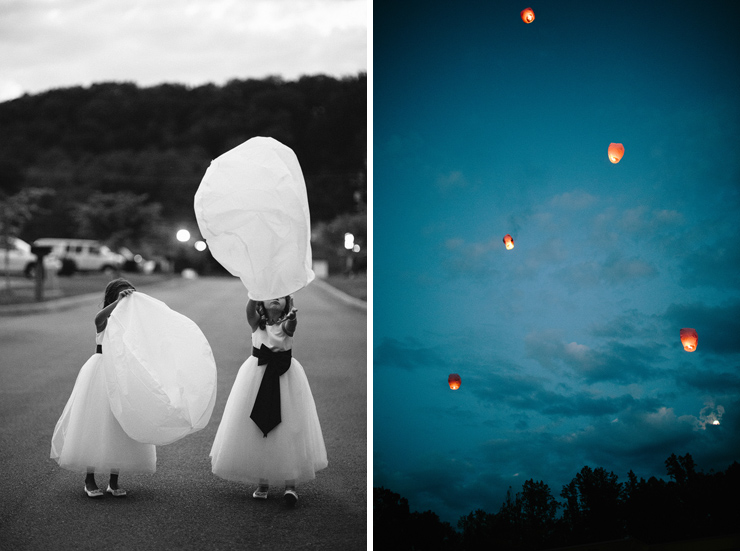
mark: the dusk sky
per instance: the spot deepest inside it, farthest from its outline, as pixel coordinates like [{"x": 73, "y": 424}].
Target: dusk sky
[
  {"x": 568, "y": 345},
  {"x": 61, "y": 43}
]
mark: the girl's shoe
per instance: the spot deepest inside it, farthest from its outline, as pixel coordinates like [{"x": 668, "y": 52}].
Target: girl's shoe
[
  {"x": 261, "y": 492},
  {"x": 118, "y": 492},
  {"x": 291, "y": 497},
  {"x": 93, "y": 493}
]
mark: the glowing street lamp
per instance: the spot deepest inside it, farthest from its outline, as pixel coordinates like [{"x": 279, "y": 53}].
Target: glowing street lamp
[
  {"x": 183, "y": 236},
  {"x": 349, "y": 241},
  {"x": 200, "y": 246}
]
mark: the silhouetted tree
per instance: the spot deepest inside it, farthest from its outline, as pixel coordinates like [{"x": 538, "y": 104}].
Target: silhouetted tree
[
  {"x": 391, "y": 520},
  {"x": 593, "y": 505}
]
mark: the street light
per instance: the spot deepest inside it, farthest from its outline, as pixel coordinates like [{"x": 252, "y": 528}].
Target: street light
[
  {"x": 349, "y": 241},
  {"x": 200, "y": 246},
  {"x": 183, "y": 236}
]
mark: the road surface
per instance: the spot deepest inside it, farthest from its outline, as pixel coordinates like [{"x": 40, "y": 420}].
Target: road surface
[{"x": 183, "y": 505}]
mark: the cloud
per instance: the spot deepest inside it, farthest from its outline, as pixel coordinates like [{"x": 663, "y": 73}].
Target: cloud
[
  {"x": 712, "y": 264},
  {"x": 615, "y": 269},
  {"x": 470, "y": 259},
  {"x": 573, "y": 200},
  {"x": 718, "y": 327},
  {"x": 79, "y": 42},
  {"x": 404, "y": 354},
  {"x": 614, "y": 361},
  {"x": 451, "y": 181}
]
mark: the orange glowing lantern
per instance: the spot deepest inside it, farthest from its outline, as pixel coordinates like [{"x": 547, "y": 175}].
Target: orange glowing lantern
[
  {"x": 509, "y": 241},
  {"x": 616, "y": 150},
  {"x": 689, "y": 339},
  {"x": 528, "y": 15},
  {"x": 454, "y": 381}
]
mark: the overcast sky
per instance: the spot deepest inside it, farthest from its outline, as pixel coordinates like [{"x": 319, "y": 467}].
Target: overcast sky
[
  {"x": 568, "y": 345},
  {"x": 58, "y": 43}
]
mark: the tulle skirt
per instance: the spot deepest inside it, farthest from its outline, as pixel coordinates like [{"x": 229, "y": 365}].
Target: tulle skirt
[
  {"x": 88, "y": 437},
  {"x": 294, "y": 450}
]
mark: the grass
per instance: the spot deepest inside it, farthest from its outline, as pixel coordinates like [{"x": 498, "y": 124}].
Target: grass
[{"x": 23, "y": 291}]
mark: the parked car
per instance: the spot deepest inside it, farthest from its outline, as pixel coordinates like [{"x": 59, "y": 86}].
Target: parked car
[
  {"x": 17, "y": 258},
  {"x": 83, "y": 255}
]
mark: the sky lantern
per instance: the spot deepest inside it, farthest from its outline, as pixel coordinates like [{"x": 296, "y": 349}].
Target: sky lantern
[
  {"x": 509, "y": 241},
  {"x": 528, "y": 15},
  {"x": 689, "y": 339},
  {"x": 616, "y": 150},
  {"x": 454, "y": 381}
]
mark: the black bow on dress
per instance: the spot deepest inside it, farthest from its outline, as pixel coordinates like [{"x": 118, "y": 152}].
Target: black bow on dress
[{"x": 266, "y": 410}]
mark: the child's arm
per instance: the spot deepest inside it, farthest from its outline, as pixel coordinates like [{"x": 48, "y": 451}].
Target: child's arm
[
  {"x": 291, "y": 320},
  {"x": 101, "y": 319},
  {"x": 253, "y": 317}
]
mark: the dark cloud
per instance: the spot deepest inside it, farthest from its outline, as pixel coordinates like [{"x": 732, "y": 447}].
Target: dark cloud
[
  {"x": 613, "y": 361},
  {"x": 615, "y": 269},
  {"x": 718, "y": 327},
  {"x": 714, "y": 382},
  {"x": 407, "y": 354}
]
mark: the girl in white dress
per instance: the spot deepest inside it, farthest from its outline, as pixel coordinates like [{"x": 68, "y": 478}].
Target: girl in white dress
[
  {"x": 270, "y": 432},
  {"x": 88, "y": 438}
]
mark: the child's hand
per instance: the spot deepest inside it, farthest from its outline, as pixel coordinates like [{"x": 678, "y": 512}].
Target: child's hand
[
  {"x": 292, "y": 314},
  {"x": 125, "y": 293}
]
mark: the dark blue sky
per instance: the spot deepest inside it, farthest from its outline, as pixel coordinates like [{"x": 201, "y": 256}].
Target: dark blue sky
[{"x": 568, "y": 345}]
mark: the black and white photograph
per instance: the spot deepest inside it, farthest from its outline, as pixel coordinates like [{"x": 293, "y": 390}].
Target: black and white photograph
[{"x": 184, "y": 280}]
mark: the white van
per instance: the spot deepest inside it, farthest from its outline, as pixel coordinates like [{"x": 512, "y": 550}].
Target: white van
[
  {"x": 16, "y": 258},
  {"x": 84, "y": 255}
]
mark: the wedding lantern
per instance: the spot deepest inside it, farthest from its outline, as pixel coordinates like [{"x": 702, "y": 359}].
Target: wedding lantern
[
  {"x": 454, "y": 381},
  {"x": 159, "y": 370},
  {"x": 689, "y": 339},
  {"x": 252, "y": 210},
  {"x": 616, "y": 150},
  {"x": 509, "y": 241},
  {"x": 528, "y": 15}
]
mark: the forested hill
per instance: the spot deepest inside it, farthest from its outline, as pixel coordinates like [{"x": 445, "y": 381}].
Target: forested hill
[{"x": 158, "y": 141}]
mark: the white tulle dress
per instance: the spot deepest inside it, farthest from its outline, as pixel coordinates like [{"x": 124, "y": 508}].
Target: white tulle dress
[
  {"x": 294, "y": 450},
  {"x": 88, "y": 437}
]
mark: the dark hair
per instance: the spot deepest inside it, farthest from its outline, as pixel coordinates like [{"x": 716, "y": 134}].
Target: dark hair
[
  {"x": 113, "y": 288},
  {"x": 263, "y": 313}
]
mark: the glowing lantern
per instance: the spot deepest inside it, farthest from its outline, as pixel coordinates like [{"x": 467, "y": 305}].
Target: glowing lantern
[
  {"x": 528, "y": 15},
  {"x": 509, "y": 241},
  {"x": 616, "y": 150},
  {"x": 689, "y": 339},
  {"x": 454, "y": 381}
]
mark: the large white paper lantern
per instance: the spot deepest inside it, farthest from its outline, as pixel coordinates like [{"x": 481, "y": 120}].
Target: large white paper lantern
[
  {"x": 160, "y": 371},
  {"x": 252, "y": 209}
]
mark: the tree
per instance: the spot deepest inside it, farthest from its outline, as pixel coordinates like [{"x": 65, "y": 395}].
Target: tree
[
  {"x": 594, "y": 505},
  {"x": 120, "y": 218},
  {"x": 391, "y": 520}
]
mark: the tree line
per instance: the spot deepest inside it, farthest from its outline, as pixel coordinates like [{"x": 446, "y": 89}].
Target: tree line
[
  {"x": 596, "y": 507},
  {"x": 121, "y": 163}
]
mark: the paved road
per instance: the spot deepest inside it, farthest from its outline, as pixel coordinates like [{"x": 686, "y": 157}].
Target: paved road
[{"x": 183, "y": 505}]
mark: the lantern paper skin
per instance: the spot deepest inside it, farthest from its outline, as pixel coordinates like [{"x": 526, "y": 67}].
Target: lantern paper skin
[
  {"x": 454, "y": 381},
  {"x": 159, "y": 370},
  {"x": 527, "y": 15},
  {"x": 252, "y": 209},
  {"x": 509, "y": 241},
  {"x": 616, "y": 150},
  {"x": 689, "y": 339}
]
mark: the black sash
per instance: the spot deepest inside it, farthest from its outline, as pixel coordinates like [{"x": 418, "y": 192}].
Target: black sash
[
  {"x": 99, "y": 349},
  {"x": 266, "y": 410}
]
